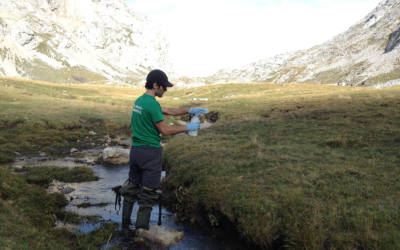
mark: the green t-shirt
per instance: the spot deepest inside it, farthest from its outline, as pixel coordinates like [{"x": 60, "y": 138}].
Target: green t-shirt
[{"x": 146, "y": 112}]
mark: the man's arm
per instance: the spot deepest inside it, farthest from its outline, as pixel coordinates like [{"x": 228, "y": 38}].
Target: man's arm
[
  {"x": 166, "y": 129},
  {"x": 175, "y": 111}
]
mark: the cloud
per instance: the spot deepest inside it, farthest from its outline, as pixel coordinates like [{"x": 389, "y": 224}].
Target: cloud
[{"x": 208, "y": 35}]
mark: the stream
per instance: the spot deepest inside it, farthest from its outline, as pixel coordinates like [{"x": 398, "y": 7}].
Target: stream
[{"x": 99, "y": 192}]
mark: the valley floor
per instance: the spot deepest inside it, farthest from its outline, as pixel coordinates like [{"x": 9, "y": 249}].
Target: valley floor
[{"x": 297, "y": 166}]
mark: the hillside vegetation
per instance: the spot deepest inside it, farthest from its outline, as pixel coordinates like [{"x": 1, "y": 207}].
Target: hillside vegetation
[{"x": 297, "y": 166}]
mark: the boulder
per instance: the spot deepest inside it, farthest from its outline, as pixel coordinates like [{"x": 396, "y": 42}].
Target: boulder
[
  {"x": 87, "y": 156},
  {"x": 159, "y": 235},
  {"x": 69, "y": 227},
  {"x": 116, "y": 156},
  {"x": 73, "y": 150},
  {"x": 53, "y": 4},
  {"x": 125, "y": 142},
  {"x": 60, "y": 187}
]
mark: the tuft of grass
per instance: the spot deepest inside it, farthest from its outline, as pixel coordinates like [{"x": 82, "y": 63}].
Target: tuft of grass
[
  {"x": 98, "y": 237},
  {"x": 73, "y": 218},
  {"x": 28, "y": 214},
  {"x": 68, "y": 217},
  {"x": 88, "y": 204},
  {"x": 43, "y": 175}
]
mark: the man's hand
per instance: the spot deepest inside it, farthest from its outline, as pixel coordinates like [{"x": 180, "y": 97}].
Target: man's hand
[
  {"x": 193, "y": 126},
  {"x": 197, "y": 111}
]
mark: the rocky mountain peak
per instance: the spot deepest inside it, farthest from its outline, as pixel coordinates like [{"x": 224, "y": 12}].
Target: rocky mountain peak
[
  {"x": 366, "y": 54},
  {"x": 78, "y": 41}
]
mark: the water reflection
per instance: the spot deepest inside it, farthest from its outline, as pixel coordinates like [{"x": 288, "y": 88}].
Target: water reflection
[{"x": 100, "y": 191}]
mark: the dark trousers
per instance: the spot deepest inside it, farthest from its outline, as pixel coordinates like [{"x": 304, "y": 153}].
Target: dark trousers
[
  {"x": 145, "y": 166},
  {"x": 145, "y": 171}
]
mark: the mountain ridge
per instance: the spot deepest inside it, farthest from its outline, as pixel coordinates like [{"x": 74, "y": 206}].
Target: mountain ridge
[
  {"x": 365, "y": 54},
  {"x": 68, "y": 41},
  {"x": 79, "y": 41}
]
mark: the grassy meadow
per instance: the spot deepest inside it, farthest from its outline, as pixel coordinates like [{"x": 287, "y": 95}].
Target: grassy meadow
[
  {"x": 296, "y": 166},
  {"x": 39, "y": 117},
  {"x": 52, "y": 118},
  {"x": 287, "y": 166}
]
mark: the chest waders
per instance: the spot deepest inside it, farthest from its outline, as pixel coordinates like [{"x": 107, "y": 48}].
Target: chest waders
[
  {"x": 147, "y": 199},
  {"x": 130, "y": 193}
]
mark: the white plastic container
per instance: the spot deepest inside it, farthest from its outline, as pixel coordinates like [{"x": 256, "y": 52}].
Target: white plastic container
[{"x": 194, "y": 119}]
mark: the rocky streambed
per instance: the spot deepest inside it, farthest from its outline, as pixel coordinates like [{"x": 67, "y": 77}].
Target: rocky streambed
[
  {"x": 96, "y": 203},
  {"x": 96, "y": 200}
]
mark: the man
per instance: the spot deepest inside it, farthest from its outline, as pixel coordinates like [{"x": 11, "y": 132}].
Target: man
[{"x": 147, "y": 123}]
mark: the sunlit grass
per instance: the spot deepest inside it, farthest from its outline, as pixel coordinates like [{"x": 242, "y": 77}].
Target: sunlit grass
[
  {"x": 301, "y": 166},
  {"x": 43, "y": 175},
  {"x": 28, "y": 214},
  {"x": 296, "y": 165},
  {"x": 39, "y": 116}
]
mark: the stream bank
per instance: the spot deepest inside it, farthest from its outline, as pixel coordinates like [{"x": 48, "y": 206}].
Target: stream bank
[
  {"x": 94, "y": 201},
  {"x": 95, "y": 198}
]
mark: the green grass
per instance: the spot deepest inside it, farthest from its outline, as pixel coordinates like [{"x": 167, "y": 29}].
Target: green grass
[
  {"x": 88, "y": 204},
  {"x": 339, "y": 74},
  {"x": 393, "y": 75},
  {"x": 41, "y": 70},
  {"x": 45, "y": 117},
  {"x": 51, "y": 118},
  {"x": 330, "y": 76},
  {"x": 28, "y": 213},
  {"x": 298, "y": 166},
  {"x": 295, "y": 166},
  {"x": 43, "y": 176}
]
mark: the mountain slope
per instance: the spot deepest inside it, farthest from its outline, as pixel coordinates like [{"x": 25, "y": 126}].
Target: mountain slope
[
  {"x": 78, "y": 41},
  {"x": 367, "y": 53}
]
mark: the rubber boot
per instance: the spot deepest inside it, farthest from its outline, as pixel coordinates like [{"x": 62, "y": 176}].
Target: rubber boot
[
  {"x": 143, "y": 217},
  {"x": 129, "y": 191},
  {"x": 127, "y": 208},
  {"x": 147, "y": 198}
]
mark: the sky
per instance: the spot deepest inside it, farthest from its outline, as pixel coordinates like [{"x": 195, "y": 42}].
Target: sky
[{"x": 209, "y": 35}]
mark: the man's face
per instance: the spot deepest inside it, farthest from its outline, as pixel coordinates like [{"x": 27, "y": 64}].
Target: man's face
[{"x": 160, "y": 90}]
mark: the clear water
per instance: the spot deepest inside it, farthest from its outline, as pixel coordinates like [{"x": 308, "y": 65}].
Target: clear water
[{"x": 100, "y": 192}]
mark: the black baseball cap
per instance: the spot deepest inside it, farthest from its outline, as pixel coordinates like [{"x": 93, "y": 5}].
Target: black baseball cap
[{"x": 159, "y": 77}]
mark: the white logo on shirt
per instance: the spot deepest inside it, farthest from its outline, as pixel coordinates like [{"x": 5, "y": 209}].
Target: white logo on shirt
[{"x": 137, "y": 109}]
